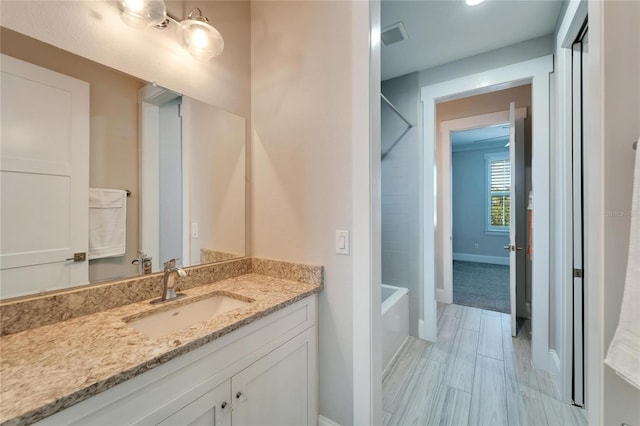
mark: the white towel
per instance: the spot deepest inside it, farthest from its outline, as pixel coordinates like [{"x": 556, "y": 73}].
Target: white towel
[
  {"x": 624, "y": 352},
  {"x": 107, "y": 223}
]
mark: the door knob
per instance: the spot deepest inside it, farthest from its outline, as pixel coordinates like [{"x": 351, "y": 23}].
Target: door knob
[
  {"x": 241, "y": 397},
  {"x": 519, "y": 248},
  {"x": 78, "y": 257}
]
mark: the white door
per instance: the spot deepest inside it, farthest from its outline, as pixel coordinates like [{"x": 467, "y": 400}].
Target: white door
[
  {"x": 275, "y": 390},
  {"x": 44, "y": 174},
  {"x": 513, "y": 247}
]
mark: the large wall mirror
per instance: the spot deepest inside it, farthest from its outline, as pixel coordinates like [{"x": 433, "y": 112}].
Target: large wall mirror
[{"x": 181, "y": 161}]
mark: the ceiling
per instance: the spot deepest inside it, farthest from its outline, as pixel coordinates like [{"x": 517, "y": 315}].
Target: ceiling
[
  {"x": 481, "y": 137},
  {"x": 444, "y": 31}
]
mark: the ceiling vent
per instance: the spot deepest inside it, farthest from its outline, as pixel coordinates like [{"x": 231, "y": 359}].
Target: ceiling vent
[{"x": 393, "y": 34}]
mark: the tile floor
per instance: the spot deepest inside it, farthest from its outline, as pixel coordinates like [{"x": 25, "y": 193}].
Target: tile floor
[{"x": 476, "y": 374}]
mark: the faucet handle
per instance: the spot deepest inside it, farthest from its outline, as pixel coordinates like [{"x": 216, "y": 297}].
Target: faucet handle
[{"x": 171, "y": 263}]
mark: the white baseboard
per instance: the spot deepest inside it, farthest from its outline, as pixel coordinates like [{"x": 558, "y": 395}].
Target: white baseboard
[
  {"x": 554, "y": 370},
  {"x": 443, "y": 297},
  {"x": 323, "y": 421},
  {"x": 421, "y": 329},
  {"x": 554, "y": 363},
  {"x": 480, "y": 258}
]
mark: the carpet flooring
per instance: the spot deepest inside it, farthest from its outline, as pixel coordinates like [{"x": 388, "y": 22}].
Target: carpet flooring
[{"x": 481, "y": 285}]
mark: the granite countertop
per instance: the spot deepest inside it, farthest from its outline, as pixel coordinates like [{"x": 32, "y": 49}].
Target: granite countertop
[{"x": 46, "y": 369}]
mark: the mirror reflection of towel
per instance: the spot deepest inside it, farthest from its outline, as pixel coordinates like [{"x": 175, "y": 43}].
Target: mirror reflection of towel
[{"x": 107, "y": 223}]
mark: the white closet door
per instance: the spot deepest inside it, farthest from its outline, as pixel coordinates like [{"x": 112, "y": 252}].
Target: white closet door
[{"x": 44, "y": 177}]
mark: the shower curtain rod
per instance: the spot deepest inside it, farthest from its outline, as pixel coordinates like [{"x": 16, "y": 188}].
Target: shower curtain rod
[
  {"x": 410, "y": 126},
  {"x": 395, "y": 110}
]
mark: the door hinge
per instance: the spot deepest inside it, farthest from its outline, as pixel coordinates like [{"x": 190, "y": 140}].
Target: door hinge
[{"x": 577, "y": 273}]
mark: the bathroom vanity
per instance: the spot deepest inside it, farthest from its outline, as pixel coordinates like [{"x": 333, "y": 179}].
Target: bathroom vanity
[{"x": 255, "y": 364}]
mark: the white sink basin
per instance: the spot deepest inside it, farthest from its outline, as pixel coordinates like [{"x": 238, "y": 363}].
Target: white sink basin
[{"x": 161, "y": 323}]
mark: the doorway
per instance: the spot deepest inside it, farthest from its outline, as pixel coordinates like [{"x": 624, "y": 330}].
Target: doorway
[
  {"x": 480, "y": 217},
  {"x": 485, "y": 174},
  {"x": 535, "y": 71}
]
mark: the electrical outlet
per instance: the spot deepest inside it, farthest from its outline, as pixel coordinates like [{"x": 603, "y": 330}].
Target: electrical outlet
[{"x": 476, "y": 245}]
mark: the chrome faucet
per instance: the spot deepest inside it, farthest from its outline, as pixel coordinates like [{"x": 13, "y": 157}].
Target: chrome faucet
[{"x": 169, "y": 293}]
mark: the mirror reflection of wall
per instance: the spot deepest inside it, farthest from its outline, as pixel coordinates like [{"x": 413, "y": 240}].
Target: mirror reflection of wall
[{"x": 115, "y": 159}]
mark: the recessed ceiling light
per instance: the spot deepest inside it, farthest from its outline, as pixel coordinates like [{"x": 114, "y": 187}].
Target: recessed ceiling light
[{"x": 473, "y": 2}]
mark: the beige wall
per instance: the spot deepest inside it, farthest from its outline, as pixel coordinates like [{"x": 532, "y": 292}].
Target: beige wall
[
  {"x": 113, "y": 134},
  {"x": 302, "y": 165}
]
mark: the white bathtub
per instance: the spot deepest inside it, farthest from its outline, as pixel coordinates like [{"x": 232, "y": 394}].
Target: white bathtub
[{"x": 395, "y": 321}]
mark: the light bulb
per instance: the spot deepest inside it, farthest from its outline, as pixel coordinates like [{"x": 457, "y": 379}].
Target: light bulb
[
  {"x": 199, "y": 38},
  {"x": 143, "y": 13},
  {"x": 134, "y": 5},
  {"x": 473, "y": 2}
]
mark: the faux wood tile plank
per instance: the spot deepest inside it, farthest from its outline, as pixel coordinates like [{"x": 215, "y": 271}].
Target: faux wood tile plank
[
  {"x": 516, "y": 410},
  {"x": 415, "y": 404},
  {"x": 456, "y": 408},
  {"x": 511, "y": 377},
  {"x": 454, "y": 310},
  {"x": 386, "y": 417},
  {"x": 446, "y": 334},
  {"x": 471, "y": 318},
  {"x": 524, "y": 370},
  {"x": 488, "y": 399},
  {"x": 503, "y": 392},
  {"x": 489, "y": 313},
  {"x": 462, "y": 362},
  {"x": 403, "y": 399},
  {"x": 490, "y": 343},
  {"x": 402, "y": 369},
  {"x": 555, "y": 409},
  {"x": 546, "y": 384},
  {"x": 535, "y": 412}
]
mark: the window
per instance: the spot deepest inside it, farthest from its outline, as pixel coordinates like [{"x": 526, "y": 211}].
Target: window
[{"x": 499, "y": 187}]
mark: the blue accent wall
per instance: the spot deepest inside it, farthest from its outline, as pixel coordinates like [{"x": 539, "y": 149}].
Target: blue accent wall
[{"x": 469, "y": 192}]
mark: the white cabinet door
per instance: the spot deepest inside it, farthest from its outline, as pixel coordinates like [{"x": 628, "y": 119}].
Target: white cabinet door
[
  {"x": 44, "y": 175},
  {"x": 278, "y": 389},
  {"x": 210, "y": 409}
]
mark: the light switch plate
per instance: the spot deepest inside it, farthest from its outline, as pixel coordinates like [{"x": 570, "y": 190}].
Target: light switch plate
[
  {"x": 342, "y": 242},
  {"x": 194, "y": 230}
]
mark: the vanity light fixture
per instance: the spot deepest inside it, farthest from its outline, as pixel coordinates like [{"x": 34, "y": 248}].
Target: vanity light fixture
[
  {"x": 473, "y": 2},
  {"x": 195, "y": 34}
]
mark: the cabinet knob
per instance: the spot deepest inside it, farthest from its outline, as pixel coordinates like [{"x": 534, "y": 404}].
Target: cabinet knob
[
  {"x": 226, "y": 408},
  {"x": 241, "y": 397}
]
